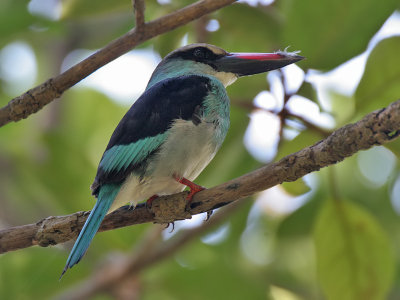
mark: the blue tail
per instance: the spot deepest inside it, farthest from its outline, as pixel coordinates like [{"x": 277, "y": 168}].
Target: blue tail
[{"x": 106, "y": 197}]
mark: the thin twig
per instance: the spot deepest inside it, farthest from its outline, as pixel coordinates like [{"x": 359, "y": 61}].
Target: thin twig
[
  {"x": 377, "y": 128},
  {"x": 248, "y": 105},
  {"x": 36, "y": 98},
  {"x": 323, "y": 132},
  {"x": 139, "y": 8}
]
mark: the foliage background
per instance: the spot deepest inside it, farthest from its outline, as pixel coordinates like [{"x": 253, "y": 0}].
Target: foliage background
[{"x": 343, "y": 243}]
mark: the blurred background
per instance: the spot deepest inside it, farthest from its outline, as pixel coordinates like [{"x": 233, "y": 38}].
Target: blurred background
[{"x": 334, "y": 234}]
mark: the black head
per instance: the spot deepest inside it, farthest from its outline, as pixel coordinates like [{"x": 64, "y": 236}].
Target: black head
[
  {"x": 202, "y": 53},
  {"x": 240, "y": 64}
]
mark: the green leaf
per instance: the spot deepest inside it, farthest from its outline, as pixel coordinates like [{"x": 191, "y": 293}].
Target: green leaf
[
  {"x": 296, "y": 188},
  {"x": 300, "y": 222},
  {"x": 308, "y": 91},
  {"x": 354, "y": 256},
  {"x": 342, "y": 108},
  {"x": 84, "y": 8},
  {"x": 303, "y": 139},
  {"x": 250, "y": 27},
  {"x": 394, "y": 146},
  {"x": 255, "y": 29},
  {"x": 329, "y": 32},
  {"x": 170, "y": 41},
  {"x": 379, "y": 85},
  {"x": 14, "y": 20}
]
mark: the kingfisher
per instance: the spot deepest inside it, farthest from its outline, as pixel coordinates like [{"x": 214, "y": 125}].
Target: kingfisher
[{"x": 172, "y": 132}]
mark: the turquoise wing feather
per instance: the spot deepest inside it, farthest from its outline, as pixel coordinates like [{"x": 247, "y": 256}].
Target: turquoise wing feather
[{"x": 120, "y": 157}]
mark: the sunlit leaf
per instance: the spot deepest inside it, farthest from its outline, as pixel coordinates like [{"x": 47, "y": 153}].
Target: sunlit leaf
[
  {"x": 379, "y": 85},
  {"x": 354, "y": 257}
]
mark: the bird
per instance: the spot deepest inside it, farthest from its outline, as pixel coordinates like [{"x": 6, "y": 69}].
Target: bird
[{"x": 172, "y": 131}]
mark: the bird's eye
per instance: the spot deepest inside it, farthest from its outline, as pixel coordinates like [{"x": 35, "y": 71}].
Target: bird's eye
[{"x": 200, "y": 53}]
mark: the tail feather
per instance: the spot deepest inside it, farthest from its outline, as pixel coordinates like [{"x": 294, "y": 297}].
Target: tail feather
[{"x": 106, "y": 197}]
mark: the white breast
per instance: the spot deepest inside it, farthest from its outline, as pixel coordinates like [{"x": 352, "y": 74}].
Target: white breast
[{"x": 187, "y": 151}]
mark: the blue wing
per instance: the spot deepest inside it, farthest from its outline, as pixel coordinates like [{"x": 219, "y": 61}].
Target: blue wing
[
  {"x": 144, "y": 127},
  {"x": 120, "y": 157}
]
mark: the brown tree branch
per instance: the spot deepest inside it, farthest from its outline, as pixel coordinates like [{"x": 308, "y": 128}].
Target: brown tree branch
[
  {"x": 36, "y": 98},
  {"x": 139, "y": 7},
  {"x": 150, "y": 252},
  {"x": 377, "y": 128}
]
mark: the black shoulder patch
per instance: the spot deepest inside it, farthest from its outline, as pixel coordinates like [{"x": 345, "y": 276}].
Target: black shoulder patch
[{"x": 154, "y": 112}]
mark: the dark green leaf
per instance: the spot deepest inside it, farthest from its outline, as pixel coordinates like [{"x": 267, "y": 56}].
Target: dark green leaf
[
  {"x": 342, "y": 108},
  {"x": 329, "y": 32},
  {"x": 254, "y": 29},
  {"x": 296, "y": 188},
  {"x": 379, "y": 85},
  {"x": 354, "y": 257},
  {"x": 15, "y": 19},
  {"x": 87, "y": 8},
  {"x": 303, "y": 139}
]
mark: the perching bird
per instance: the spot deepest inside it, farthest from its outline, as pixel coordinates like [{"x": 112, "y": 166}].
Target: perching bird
[{"x": 172, "y": 132}]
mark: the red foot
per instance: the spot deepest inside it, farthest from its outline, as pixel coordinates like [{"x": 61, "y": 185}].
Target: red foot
[
  {"x": 150, "y": 200},
  {"x": 194, "y": 188}
]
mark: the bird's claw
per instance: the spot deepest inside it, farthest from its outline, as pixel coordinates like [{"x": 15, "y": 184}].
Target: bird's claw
[
  {"x": 209, "y": 214},
  {"x": 173, "y": 226}
]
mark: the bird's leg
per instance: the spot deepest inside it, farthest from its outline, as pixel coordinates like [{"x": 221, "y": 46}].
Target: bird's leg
[
  {"x": 150, "y": 201},
  {"x": 194, "y": 188}
]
